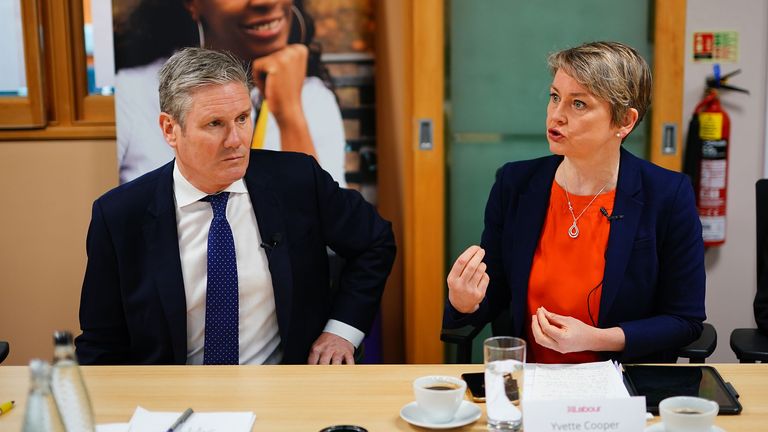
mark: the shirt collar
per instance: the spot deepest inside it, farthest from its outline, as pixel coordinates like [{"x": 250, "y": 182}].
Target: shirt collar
[{"x": 187, "y": 194}]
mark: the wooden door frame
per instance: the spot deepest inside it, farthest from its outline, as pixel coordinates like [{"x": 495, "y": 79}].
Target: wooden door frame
[
  {"x": 668, "y": 76},
  {"x": 409, "y": 86},
  {"x": 410, "y": 72}
]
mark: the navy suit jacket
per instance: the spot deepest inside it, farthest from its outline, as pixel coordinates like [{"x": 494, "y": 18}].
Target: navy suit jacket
[
  {"x": 133, "y": 308},
  {"x": 654, "y": 280}
]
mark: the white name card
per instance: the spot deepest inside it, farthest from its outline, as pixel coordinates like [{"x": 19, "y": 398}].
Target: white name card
[{"x": 585, "y": 415}]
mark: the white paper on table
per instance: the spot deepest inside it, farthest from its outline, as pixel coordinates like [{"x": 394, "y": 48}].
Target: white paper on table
[
  {"x": 573, "y": 381},
  {"x": 150, "y": 421},
  {"x": 112, "y": 427}
]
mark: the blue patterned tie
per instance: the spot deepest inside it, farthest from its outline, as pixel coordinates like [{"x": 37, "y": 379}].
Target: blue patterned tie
[{"x": 221, "y": 303}]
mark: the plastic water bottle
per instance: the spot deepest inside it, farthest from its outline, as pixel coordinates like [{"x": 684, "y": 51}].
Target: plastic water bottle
[
  {"x": 68, "y": 386},
  {"x": 42, "y": 415}
]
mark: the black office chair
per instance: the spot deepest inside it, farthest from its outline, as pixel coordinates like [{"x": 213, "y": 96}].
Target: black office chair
[
  {"x": 696, "y": 352},
  {"x": 4, "y": 350},
  {"x": 699, "y": 350},
  {"x": 751, "y": 345},
  {"x": 462, "y": 337}
]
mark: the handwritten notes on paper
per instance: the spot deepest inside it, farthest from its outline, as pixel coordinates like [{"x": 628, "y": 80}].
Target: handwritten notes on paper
[{"x": 586, "y": 380}]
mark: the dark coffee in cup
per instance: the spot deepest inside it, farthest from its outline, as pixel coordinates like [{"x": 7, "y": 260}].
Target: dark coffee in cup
[
  {"x": 442, "y": 386},
  {"x": 686, "y": 410}
]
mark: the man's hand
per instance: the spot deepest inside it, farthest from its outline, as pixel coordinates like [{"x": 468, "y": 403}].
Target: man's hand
[
  {"x": 331, "y": 349},
  {"x": 468, "y": 280},
  {"x": 280, "y": 78},
  {"x": 566, "y": 334}
]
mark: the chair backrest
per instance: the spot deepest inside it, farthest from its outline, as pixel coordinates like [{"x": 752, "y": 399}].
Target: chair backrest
[
  {"x": 4, "y": 349},
  {"x": 761, "y": 206},
  {"x": 761, "y": 295}
]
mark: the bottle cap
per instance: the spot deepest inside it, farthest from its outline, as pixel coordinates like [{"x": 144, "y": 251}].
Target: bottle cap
[
  {"x": 62, "y": 337},
  {"x": 39, "y": 368}
]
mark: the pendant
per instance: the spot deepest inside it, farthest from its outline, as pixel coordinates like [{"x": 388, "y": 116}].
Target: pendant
[{"x": 573, "y": 231}]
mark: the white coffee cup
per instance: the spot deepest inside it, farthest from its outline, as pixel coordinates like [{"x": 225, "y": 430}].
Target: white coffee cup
[
  {"x": 438, "y": 396},
  {"x": 688, "y": 414}
]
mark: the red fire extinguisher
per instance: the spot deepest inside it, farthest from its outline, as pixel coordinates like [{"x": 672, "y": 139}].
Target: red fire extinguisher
[{"x": 706, "y": 157}]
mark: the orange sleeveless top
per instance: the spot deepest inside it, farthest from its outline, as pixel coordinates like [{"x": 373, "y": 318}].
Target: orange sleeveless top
[{"x": 565, "y": 270}]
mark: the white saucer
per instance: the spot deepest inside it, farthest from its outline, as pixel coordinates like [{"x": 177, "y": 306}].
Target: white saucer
[
  {"x": 659, "y": 427},
  {"x": 466, "y": 414}
]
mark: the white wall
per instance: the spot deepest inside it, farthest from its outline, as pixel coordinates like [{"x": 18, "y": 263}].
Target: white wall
[{"x": 730, "y": 268}]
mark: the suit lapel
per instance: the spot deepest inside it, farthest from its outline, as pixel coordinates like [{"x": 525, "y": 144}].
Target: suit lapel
[
  {"x": 628, "y": 203},
  {"x": 161, "y": 238},
  {"x": 269, "y": 216},
  {"x": 531, "y": 212}
]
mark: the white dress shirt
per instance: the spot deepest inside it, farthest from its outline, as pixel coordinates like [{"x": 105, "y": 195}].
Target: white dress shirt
[{"x": 259, "y": 336}]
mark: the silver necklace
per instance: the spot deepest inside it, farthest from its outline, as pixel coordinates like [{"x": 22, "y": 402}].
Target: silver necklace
[{"x": 573, "y": 231}]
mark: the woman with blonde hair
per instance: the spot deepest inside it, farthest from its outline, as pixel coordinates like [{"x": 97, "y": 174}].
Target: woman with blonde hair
[{"x": 595, "y": 253}]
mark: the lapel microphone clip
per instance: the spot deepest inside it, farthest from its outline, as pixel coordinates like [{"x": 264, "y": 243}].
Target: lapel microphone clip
[
  {"x": 274, "y": 241},
  {"x": 610, "y": 218}
]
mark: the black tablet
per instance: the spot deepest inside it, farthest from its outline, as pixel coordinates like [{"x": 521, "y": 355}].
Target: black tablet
[{"x": 657, "y": 383}]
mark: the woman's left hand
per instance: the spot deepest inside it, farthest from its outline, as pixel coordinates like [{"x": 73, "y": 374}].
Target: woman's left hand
[
  {"x": 566, "y": 334},
  {"x": 563, "y": 334}
]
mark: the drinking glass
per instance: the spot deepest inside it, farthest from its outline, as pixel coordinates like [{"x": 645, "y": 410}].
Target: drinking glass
[{"x": 504, "y": 364}]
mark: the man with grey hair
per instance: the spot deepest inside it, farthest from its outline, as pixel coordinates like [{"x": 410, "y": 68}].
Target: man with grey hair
[{"x": 219, "y": 257}]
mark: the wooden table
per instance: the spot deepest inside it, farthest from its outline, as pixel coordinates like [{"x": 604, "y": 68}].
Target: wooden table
[{"x": 306, "y": 398}]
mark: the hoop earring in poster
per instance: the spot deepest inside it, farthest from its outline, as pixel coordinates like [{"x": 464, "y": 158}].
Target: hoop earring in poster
[
  {"x": 200, "y": 34},
  {"x": 300, "y": 19}
]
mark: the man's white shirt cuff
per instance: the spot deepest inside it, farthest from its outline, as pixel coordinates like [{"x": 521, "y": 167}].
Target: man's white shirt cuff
[{"x": 345, "y": 331}]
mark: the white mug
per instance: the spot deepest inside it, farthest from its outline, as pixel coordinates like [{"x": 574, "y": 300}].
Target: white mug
[
  {"x": 439, "y": 397},
  {"x": 688, "y": 414}
]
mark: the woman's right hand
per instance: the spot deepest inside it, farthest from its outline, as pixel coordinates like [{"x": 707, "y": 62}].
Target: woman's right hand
[{"x": 468, "y": 280}]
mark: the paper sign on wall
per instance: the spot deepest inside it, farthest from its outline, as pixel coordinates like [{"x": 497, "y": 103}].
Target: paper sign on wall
[{"x": 720, "y": 47}]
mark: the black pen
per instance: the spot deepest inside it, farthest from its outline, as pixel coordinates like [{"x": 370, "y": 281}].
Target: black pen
[{"x": 182, "y": 418}]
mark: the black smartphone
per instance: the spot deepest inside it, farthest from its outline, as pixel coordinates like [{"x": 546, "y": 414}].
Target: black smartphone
[
  {"x": 475, "y": 385},
  {"x": 660, "y": 382}
]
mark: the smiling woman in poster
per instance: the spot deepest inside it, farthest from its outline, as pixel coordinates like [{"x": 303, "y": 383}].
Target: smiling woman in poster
[{"x": 273, "y": 37}]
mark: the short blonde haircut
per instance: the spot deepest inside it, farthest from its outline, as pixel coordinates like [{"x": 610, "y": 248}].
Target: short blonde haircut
[{"x": 611, "y": 71}]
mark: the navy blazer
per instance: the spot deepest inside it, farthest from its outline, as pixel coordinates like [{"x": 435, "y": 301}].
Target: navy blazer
[
  {"x": 133, "y": 307},
  {"x": 654, "y": 280}
]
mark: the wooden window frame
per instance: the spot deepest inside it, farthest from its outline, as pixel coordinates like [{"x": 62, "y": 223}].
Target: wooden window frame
[
  {"x": 27, "y": 111},
  {"x": 70, "y": 111},
  {"x": 90, "y": 109}
]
